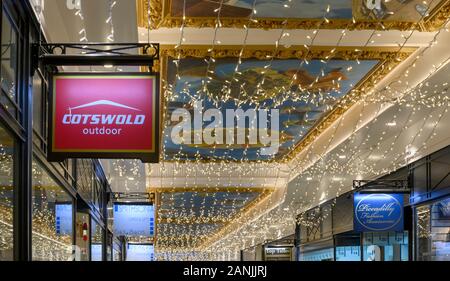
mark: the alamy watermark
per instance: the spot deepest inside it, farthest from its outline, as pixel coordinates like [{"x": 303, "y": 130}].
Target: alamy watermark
[{"x": 252, "y": 127}]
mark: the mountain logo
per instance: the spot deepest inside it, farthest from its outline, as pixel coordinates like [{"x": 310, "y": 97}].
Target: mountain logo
[{"x": 103, "y": 102}]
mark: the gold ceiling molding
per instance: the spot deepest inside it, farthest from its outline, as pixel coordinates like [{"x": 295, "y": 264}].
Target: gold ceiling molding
[
  {"x": 160, "y": 17},
  {"x": 293, "y": 52},
  {"x": 389, "y": 58},
  {"x": 437, "y": 18}
]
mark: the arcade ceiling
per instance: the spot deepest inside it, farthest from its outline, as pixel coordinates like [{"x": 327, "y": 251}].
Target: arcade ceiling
[{"x": 329, "y": 67}]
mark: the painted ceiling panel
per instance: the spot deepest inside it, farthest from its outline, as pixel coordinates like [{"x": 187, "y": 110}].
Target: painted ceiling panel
[{"x": 317, "y": 87}]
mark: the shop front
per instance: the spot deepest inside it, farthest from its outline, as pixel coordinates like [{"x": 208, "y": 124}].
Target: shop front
[
  {"x": 49, "y": 211},
  {"x": 355, "y": 227},
  {"x": 332, "y": 232},
  {"x": 430, "y": 197}
]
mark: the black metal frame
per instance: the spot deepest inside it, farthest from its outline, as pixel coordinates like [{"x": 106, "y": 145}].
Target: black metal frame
[
  {"x": 60, "y": 54},
  {"x": 116, "y": 196},
  {"x": 381, "y": 186}
]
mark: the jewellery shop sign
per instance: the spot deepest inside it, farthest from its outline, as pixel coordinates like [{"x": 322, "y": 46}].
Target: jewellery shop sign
[
  {"x": 104, "y": 115},
  {"x": 377, "y": 212}
]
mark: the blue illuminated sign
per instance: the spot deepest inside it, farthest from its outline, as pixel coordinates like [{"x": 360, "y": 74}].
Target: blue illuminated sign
[
  {"x": 140, "y": 252},
  {"x": 96, "y": 252},
  {"x": 134, "y": 220},
  {"x": 63, "y": 219},
  {"x": 377, "y": 212}
]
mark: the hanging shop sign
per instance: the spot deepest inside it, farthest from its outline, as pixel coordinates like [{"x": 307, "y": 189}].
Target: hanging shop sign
[
  {"x": 134, "y": 219},
  {"x": 278, "y": 251},
  {"x": 98, "y": 115},
  {"x": 377, "y": 212}
]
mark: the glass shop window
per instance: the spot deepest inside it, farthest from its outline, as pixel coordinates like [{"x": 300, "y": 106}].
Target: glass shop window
[
  {"x": 97, "y": 241},
  {"x": 433, "y": 231},
  {"x": 9, "y": 63},
  {"x": 82, "y": 232},
  {"x": 7, "y": 148},
  {"x": 319, "y": 255},
  {"x": 348, "y": 246},
  {"x": 109, "y": 243},
  {"x": 39, "y": 110},
  {"x": 52, "y": 222},
  {"x": 117, "y": 252},
  {"x": 348, "y": 253},
  {"x": 385, "y": 246},
  {"x": 85, "y": 178}
]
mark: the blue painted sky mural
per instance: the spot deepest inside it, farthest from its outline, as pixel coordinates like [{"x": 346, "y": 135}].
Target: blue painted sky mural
[
  {"x": 341, "y": 9},
  {"x": 297, "y": 115}
]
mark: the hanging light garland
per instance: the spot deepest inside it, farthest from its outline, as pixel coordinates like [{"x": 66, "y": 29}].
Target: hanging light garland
[
  {"x": 226, "y": 247},
  {"x": 109, "y": 20}
]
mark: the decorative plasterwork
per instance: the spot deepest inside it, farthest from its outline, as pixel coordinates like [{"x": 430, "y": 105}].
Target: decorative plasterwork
[{"x": 160, "y": 17}]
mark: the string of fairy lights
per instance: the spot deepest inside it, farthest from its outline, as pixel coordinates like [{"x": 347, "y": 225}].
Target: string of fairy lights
[
  {"x": 47, "y": 243},
  {"x": 326, "y": 169},
  {"x": 406, "y": 71},
  {"x": 322, "y": 168},
  {"x": 331, "y": 169},
  {"x": 209, "y": 62},
  {"x": 109, "y": 20}
]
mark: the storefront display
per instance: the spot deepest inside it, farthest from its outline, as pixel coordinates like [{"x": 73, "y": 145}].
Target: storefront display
[
  {"x": 385, "y": 246},
  {"x": 52, "y": 218},
  {"x": 134, "y": 219},
  {"x": 97, "y": 241},
  {"x": 9, "y": 61},
  {"x": 348, "y": 253},
  {"x": 318, "y": 255},
  {"x": 433, "y": 231},
  {"x": 348, "y": 246},
  {"x": 6, "y": 195},
  {"x": 82, "y": 236}
]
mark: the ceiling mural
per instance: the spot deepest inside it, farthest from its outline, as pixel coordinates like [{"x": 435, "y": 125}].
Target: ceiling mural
[
  {"x": 304, "y": 93},
  {"x": 188, "y": 218},
  {"x": 304, "y": 14}
]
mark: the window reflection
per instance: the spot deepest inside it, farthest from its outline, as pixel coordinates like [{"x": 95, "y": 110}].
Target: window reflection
[
  {"x": 8, "y": 64},
  {"x": 97, "y": 239},
  {"x": 52, "y": 218},
  {"x": 385, "y": 246},
  {"x": 82, "y": 233},
  {"x": 6, "y": 195}
]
